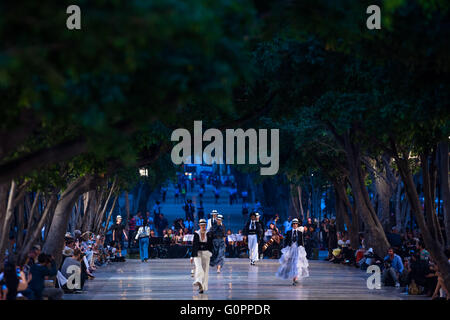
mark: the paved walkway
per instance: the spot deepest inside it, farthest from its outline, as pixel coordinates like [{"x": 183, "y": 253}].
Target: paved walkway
[{"x": 170, "y": 279}]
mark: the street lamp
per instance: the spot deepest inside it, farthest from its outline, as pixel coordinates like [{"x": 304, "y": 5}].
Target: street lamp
[{"x": 143, "y": 172}]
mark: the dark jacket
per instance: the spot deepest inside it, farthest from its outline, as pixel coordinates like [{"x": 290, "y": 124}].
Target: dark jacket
[
  {"x": 259, "y": 230},
  {"x": 197, "y": 245},
  {"x": 38, "y": 273},
  {"x": 288, "y": 238},
  {"x": 218, "y": 231}
]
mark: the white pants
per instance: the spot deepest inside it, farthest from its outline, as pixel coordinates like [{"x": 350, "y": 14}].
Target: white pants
[
  {"x": 253, "y": 247},
  {"x": 202, "y": 268}
]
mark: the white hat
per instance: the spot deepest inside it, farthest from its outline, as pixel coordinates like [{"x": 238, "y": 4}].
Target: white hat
[
  {"x": 257, "y": 214},
  {"x": 202, "y": 221},
  {"x": 214, "y": 212},
  {"x": 295, "y": 220},
  {"x": 220, "y": 217},
  {"x": 118, "y": 217}
]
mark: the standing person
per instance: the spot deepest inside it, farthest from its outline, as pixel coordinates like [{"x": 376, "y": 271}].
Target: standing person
[
  {"x": 143, "y": 235},
  {"x": 162, "y": 224},
  {"x": 201, "y": 253},
  {"x": 216, "y": 194},
  {"x": 118, "y": 232},
  {"x": 244, "y": 195},
  {"x": 261, "y": 236},
  {"x": 131, "y": 229},
  {"x": 332, "y": 238},
  {"x": 218, "y": 254},
  {"x": 201, "y": 211},
  {"x": 183, "y": 192},
  {"x": 177, "y": 194},
  {"x": 213, "y": 220},
  {"x": 294, "y": 264},
  {"x": 200, "y": 192},
  {"x": 189, "y": 209},
  {"x": 253, "y": 232},
  {"x": 164, "y": 193},
  {"x": 245, "y": 210}
]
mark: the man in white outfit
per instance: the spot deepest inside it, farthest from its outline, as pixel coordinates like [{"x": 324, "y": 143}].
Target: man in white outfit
[
  {"x": 213, "y": 220},
  {"x": 253, "y": 232}
]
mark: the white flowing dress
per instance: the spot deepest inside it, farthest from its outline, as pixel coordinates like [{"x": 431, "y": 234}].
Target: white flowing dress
[{"x": 293, "y": 262}]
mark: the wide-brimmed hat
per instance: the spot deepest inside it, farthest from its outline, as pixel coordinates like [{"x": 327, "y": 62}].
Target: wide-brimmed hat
[
  {"x": 257, "y": 214},
  {"x": 220, "y": 217},
  {"x": 214, "y": 212},
  {"x": 68, "y": 252},
  {"x": 201, "y": 221},
  {"x": 295, "y": 221},
  {"x": 118, "y": 217},
  {"x": 68, "y": 235}
]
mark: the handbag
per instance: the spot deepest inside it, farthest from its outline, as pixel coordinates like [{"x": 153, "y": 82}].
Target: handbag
[{"x": 413, "y": 289}]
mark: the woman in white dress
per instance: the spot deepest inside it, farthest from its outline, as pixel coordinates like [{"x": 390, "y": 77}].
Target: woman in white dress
[{"x": 294, "y": 264}]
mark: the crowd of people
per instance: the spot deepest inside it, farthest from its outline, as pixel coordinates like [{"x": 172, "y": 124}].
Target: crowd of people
[
  {"x": 40, "y": 276},
  {"x": 406, "y": 264}
]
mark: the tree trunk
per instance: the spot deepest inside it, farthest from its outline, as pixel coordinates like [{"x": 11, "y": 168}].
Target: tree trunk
[
  {"x": 376, "y": 237},
  {"x": 7, "y": 221},
  {"x": 101, "y": 215},
  {"x": 110, "y": 213},
  {"x": 430, "y": 207},
  {"x": 54, "y": 242},
  {"x": 127, "y": 206},
  {"x": 398, "y": 211},
  {"x": 36, "y": 232},
  {"x": 435, "y": 248},
  {"x": 445, "y": 189},
  {"x": 343, "y": 204}
]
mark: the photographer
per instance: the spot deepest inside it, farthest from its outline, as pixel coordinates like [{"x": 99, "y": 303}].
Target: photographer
[
  {"x": 46, "y": 267},
  {"x": 13, "y": 281},
  {"x": 393, "y": 267}
]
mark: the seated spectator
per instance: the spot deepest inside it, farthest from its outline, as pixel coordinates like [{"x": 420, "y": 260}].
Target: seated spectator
[
  {"x": 370, "y": 258},
  {"x": 418, "y": 270},
  {"x": 46, "y": 267},
  {"x": 178, "y": 238},
  {"x": 424, "y": 254},
  {"x": 393, "y": 267},
  {"x": 74, "y": 260}
]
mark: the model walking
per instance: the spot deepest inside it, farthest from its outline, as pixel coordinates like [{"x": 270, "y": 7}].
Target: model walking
[
  {"x": 253, "y": 232},
  {"x": 294, "y": 264},
  {"x": 143, "y": 236},
  {"x": 201, "y": 254},
  {"x": 218, "y": 255}
]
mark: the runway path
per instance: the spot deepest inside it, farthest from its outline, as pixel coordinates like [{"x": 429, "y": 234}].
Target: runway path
[{"x": 170, "y": 279}]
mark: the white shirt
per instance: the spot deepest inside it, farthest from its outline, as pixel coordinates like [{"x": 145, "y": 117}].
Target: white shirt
[{"x": 141, "y": 231}]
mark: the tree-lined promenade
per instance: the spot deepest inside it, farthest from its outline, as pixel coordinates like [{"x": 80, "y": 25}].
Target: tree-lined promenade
[{"x": 366, "y": 111}]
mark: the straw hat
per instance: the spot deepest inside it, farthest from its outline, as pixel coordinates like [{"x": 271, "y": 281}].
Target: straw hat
[{"x": 202, "y": 221}]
